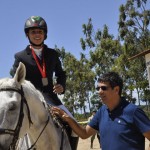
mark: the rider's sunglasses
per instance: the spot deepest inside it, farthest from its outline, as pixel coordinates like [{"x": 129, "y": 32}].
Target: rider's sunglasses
[{"x": 104, "y": 88}]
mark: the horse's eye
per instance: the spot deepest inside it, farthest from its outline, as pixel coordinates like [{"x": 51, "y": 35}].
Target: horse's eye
[{"x": 12, "y": 106}]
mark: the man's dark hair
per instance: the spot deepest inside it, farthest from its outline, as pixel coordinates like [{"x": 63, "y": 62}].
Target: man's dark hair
[{"x": 113, "y": 79}]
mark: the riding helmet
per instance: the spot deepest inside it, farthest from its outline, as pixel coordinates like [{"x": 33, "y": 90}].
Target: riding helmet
[{"x": 35, "y": 22}]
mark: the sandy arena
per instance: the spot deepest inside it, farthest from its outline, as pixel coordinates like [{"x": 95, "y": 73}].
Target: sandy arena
[{"x": 85, "y": 144}]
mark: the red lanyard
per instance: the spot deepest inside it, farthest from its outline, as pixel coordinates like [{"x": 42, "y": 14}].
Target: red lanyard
[{"x": 41, "y": 68}]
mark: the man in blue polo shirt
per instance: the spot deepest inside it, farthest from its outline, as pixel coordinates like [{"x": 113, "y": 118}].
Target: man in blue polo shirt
[{"x": 122, "y": 125}]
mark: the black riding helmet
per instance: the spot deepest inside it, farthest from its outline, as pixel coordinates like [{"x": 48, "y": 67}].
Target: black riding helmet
[{"x": 35, "y": 22}]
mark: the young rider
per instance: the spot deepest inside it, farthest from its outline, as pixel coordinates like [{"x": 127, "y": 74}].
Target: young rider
[{"x": 42, "y": 63}]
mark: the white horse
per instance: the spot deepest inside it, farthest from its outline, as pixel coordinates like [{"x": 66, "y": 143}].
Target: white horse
[{"x": 23, "y": 111}]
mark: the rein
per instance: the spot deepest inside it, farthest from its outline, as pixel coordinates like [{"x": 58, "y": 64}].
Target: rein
[
  {"x": 58, "y": 123},
  {"x": 39, "y": 135}
]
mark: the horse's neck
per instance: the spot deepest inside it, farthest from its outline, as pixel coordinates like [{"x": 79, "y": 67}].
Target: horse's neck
[
  {"x": 48, "y": 139},
  {"x": 48, "y": 133}
]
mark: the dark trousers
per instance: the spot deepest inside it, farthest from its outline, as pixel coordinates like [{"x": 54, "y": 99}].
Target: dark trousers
[{"x": 73, "y": 140}]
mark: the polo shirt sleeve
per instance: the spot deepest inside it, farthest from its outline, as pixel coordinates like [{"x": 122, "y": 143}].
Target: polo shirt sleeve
[
  {"x": 141, "y": 120},
  {"x": 94, "y": 123}
]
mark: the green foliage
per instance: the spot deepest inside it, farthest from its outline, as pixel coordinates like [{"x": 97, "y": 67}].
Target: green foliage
[
  {"x": 81, "y": 117},
  {"x": 102, "y": 52},
  {"x": 95, "y": 101},
  {"x": 134, "y": 18},
  {"x": 148, "y": 114}
]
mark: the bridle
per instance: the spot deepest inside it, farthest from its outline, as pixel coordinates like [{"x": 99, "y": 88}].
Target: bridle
[
  {"x": 59, "y": 124},
  {"x": 16, "y": 131}
]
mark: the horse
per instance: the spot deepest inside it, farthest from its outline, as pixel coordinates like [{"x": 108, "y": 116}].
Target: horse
[{"x": 24, "y": 113}]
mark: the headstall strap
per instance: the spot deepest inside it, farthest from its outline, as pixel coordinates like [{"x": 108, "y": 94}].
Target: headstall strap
[
  {"x": 15, "y": 132},
  {"x": 39, "y": 135},
  {"x": 25, "y": 101}
]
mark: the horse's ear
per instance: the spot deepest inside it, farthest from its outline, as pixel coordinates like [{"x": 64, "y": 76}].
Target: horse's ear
[{"x": 20, "y": 73}]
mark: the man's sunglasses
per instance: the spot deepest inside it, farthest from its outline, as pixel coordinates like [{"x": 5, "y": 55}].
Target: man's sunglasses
[{"x": 104, "y": 88}]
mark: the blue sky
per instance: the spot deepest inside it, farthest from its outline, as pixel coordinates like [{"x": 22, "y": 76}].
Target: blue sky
[{"x": 64, "y": 19}]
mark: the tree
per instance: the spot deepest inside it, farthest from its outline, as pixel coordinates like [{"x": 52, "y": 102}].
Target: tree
[
  {"x": 133, "y": 27},
  {"x": 80, "y": 80},
  {"x": 102, "y": 48},
  {"x": 102, "y": 52},
  {"x": 95, "y": 101},
  {"x": 134, "y": 22}
]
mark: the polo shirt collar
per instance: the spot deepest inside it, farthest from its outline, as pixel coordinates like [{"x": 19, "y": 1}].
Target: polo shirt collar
[{"x": 118, "y": 110}]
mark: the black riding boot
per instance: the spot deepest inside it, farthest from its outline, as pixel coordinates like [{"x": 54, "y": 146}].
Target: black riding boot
[{"x": 74, "y": 142}]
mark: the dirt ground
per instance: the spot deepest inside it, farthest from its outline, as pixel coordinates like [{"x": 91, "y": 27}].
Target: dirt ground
[{"x": 85, "y": 144}]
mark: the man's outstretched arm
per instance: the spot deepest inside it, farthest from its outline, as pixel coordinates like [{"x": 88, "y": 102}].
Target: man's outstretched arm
[{"x": 78, "y": 129}]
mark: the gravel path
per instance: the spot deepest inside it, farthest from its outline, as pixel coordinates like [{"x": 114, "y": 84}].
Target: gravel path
[{"x": 85, "y": 144}]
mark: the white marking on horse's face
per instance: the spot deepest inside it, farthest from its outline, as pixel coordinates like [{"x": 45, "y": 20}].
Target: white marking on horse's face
[{"x": 9, "y": 110}]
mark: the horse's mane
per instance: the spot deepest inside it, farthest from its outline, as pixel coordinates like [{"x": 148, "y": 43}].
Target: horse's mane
[
  {"x": 5, "y": 82},
  {"x": 29, "y": 90}
]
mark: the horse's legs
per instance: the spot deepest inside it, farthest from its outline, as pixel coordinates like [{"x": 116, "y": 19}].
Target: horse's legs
[
  {"x": 73, "y": 140},
  {"x": 92, "y": 140}
]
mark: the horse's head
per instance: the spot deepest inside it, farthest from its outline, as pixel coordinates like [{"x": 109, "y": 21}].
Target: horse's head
[
  {"x": 10, "y": 107},
  {"x": 22, "y": 111}
]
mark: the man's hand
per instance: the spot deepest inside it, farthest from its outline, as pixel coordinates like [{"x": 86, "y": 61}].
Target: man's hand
[
  {"x": 83, "y": 132},
  {"x": 59, "y": 112}
]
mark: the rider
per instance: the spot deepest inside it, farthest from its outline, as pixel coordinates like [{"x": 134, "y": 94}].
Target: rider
[{"x": 41, "y": 64}]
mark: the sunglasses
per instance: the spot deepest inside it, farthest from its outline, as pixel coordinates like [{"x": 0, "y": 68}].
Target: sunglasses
[{"x": 104, "y": 88}]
